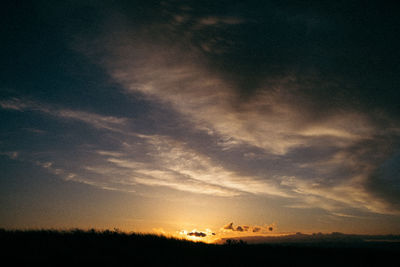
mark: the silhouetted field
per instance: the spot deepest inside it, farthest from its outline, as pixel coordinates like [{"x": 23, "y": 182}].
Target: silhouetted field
[{"x": 113, "y": 248}]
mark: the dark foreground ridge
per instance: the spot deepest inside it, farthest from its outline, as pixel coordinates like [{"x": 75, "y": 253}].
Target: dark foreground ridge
[{"x": 114, "y": 248}]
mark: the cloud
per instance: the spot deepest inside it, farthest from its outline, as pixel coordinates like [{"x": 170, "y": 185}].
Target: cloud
[
  {"x": 96, "y": 181},
  {"x": 229, "y": 226},
  {"x": 11, "y": 154},
  {"x": 280, "y": 117},
  {"x": 197, "y": 234},
  {"x": 172, "y": 163},
  {"x": 211, "y": 21},
  {"x": 247, "y": 228},
  {"x": 169, "y": 162},
  {"x": 13, "y": 104},
  {"x": 239, "y": 228},
  {"x": 157, "y": 161},
  {"x": 98, "y": 121}
]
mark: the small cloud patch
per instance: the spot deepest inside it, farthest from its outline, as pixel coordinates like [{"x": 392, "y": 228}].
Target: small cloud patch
[
  {"x": 229, "y": 226},
  {"x": 240, "y": 229},
  {"x": 197, "y": 234},
  {"x": 247, "y": 228}
]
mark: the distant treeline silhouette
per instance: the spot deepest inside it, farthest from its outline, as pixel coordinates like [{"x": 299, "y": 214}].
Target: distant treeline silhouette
[
  {"x": 322, "y": 239},
  {"x": 114, "y": 248}
]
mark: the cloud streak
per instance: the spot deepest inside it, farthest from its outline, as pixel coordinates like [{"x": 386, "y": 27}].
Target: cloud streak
[
  {"x": 95, "y": 120},
  {"x": 172, "y": 164}
]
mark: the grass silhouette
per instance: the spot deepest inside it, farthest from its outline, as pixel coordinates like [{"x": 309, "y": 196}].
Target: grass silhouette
[{"x": 114, "y": 248}]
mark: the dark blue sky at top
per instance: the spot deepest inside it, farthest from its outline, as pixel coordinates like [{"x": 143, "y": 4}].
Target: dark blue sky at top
[
  {"x": 39, "y": 62},
  {"x": 347, "y": 40},
  {"x": 62, "y": 99}
]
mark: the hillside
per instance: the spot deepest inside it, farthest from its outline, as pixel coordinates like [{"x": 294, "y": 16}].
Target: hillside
[{"x": 113, "y": 248}]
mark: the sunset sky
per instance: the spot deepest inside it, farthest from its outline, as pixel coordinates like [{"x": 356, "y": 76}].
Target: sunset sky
[{"x": 182, "y": 117}]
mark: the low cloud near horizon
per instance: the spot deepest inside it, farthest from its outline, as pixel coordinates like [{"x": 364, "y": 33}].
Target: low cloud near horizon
[{"x": 247, "y": 228}]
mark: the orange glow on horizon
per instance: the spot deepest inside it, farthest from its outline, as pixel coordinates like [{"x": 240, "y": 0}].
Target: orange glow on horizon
[{"x": 209, "y": 236}]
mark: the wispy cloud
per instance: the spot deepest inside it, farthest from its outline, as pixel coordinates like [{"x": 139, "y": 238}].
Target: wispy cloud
[
  {"x": 96, "y": 181},
  {"x": 13, "y": 104},
  {"x": 279, "y": 119},
  {"x": 269, "y": 120},
  {"x": 215, "y": 20},
  {"x": 95, "y": 120},
  {"x": 98, "y": 121},
  {"x": 11, "y": 154},
  {"x": 173, "y": 164}
]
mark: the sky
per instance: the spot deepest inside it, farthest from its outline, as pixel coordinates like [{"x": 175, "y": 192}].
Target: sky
[{"x": 201, "y": 119}]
